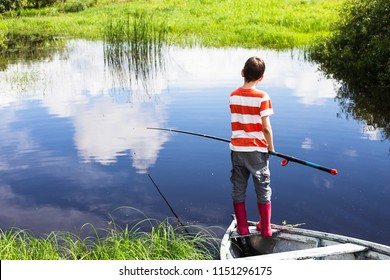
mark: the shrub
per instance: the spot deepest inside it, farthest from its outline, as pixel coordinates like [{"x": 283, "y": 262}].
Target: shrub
[
  {"x": 358, "y": 55},
  {"x": 11, "y": 5},
  {"x": 68, "y": 5},
  {"x": 358, "y": 50},
  {"x": 74, "y": 6},
  {"x": 3, "y": 35},
  {"x": 42, "y": 3}
]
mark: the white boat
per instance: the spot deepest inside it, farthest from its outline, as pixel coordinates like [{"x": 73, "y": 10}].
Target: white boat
[{"x": 292, "y": 243}]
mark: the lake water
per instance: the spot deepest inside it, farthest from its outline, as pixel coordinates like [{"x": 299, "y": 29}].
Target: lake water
[{"x": 74, "y": 147}]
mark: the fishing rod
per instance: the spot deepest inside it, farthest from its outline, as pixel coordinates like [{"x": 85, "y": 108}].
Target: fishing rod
[
  {"x": 286, "y": 158},
  {"x": 169, "y": 205}
]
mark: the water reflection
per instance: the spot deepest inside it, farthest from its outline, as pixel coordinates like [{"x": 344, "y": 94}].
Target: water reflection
[
  {"x": 208, "y": 68},
  {"x": 106, "y": 130},
  {"x": 109, "y": 121},
  {"x": 75, "y": 101},
  {"x": 28, "y": 48},
  {"x": 20, "y": 211},
  {"x": 371, "y": 107},
  {"x": 128, "y": 68},
  {"x": 105, "y": 126},
  {"x": 134, "y": 50},
  {"x": 73, "y": 144}
]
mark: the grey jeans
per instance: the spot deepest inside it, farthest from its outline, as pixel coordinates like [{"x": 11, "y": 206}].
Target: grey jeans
[{"x": 245, "y": 164}]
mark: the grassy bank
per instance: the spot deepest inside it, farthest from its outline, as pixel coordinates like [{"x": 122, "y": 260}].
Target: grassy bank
[
  {"x": 234, "y": 23},
  {"x": 162, "y": 243}
]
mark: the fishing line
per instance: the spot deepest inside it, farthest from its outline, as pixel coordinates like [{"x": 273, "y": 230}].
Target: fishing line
[{"x": 166, "y": 201}]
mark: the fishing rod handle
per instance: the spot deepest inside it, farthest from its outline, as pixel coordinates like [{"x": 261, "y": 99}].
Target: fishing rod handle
[{"x": 288, "y": 158}]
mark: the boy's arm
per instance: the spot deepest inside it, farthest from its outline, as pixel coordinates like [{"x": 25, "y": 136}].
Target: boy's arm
[{"x": 267, "y": 131}]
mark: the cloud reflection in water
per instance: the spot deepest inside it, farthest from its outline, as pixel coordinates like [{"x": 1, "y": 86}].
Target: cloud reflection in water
[{"x": 108, "y": 122}]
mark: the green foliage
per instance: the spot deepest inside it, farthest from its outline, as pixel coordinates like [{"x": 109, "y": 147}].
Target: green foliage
[
  {"x": 278, "y": 24},
  {"x": 358, "y": 55},
  {"x": 11, "y": 5},
  {"x": 3, "y": 34},
  {"x": 42, "y": 3},
  {"x": 75, "y": 6},
  {"x": 164, "y": 242},
  {"x": 66, "y": 5},
  {"x": 358, "y": 50}
]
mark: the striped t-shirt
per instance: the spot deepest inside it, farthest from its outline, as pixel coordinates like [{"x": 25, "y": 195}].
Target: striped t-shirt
[{"x": 247, "y": 107}]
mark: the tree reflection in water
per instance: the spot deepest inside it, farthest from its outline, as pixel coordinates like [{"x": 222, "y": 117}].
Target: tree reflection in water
[
  {"x": 371, "y": 106},
  {"x": 28, "y": 48}
]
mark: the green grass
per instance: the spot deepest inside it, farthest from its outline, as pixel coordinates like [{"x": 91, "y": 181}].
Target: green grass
[
  {"x": 164, "y": 242},
  {"x": 234, "y": 23}
]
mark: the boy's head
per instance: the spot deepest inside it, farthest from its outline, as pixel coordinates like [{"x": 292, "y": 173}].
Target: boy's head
[{"x": 253, "y": 69}]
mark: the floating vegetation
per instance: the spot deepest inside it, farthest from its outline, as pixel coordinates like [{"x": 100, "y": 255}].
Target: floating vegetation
[{"x": 134, "y": 49}]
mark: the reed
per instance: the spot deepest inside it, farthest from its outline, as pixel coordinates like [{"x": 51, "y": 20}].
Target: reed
[
  {"x": 163, "y": 242},
  {"x": 134, "y": 45}
]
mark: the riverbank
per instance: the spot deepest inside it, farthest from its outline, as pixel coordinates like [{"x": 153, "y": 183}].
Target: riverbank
[{"x": 277, "y": 24}]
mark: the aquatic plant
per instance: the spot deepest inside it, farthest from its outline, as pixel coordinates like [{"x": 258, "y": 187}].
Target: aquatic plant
[{"x": 134, "y": 45}]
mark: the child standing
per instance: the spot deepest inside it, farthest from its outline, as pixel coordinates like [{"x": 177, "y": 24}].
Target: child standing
[{"x": 250, "y": 142}]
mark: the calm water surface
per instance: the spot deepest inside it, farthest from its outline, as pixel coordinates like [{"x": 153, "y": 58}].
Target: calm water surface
[{"x": 74, "y": 147}]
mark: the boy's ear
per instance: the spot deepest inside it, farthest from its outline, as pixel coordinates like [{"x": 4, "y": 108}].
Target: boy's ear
[
  {"x": 259, "y": 80},
  {"x": 242, "y": 73}
]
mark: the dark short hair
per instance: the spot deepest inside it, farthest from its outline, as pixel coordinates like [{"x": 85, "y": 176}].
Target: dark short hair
[{"x": 254, "y": 69}]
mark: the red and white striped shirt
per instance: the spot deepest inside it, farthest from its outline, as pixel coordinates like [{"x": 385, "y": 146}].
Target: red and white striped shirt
[{"x": 247, "y": 107}]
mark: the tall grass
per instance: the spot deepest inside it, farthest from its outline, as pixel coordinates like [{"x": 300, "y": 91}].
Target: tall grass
[
  {"x": 135, "y": 45},
  {"x": 164, "y": 242},
  {"x": 238, "y": 23}
]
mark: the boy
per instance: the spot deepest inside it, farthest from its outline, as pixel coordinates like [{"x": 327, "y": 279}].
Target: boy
[{"x": 250, "y": 142}]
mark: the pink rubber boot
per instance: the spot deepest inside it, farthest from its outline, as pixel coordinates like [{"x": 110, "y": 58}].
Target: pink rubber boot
[
  {"x": 264, "y": 225},
  {"x": 242, "y": 222}
]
